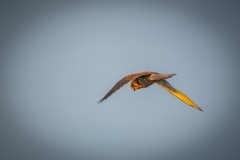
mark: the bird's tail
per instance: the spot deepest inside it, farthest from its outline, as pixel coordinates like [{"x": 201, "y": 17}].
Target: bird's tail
[{"x": 158, "y": 76}]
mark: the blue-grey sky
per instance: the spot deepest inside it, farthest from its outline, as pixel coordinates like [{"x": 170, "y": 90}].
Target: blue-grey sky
[{"x": 59, "y": 59}]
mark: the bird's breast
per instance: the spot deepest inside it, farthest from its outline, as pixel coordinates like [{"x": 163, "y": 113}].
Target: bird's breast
[{"x": 141, "y": 82}]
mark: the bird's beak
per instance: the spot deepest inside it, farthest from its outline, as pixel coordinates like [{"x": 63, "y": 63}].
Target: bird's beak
[{"x": 133, "y": 88}]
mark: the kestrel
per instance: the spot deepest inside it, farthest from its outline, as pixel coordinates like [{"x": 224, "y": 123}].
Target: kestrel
[{"x": 145, "y": 79}]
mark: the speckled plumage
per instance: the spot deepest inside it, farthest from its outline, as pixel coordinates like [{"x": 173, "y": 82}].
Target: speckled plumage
[{"x": 145, "y": 79}]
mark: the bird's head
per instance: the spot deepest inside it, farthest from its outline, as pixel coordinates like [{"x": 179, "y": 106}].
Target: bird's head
[{"x": 134, "y": 86}]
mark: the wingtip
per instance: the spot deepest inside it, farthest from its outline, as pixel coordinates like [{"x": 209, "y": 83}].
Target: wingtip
[{"x": 99, "y": 101}]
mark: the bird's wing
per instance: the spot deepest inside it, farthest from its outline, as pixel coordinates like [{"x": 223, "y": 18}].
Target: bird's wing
[
  {"x": 122, "y": 82},
  {"x": 158, "y": 76},
  {"x": 164, "y": 84}
]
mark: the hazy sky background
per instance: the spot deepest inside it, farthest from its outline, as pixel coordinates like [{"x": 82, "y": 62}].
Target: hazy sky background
[{"x": 58, "y": 59}]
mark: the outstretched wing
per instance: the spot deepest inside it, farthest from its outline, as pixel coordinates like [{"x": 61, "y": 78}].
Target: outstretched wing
[
  {"x": 122, "y": 82},
  {"x": 164, "y": 84}
]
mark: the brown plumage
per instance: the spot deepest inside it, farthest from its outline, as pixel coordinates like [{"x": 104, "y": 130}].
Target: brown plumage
[{"x": 145, "y": 79}]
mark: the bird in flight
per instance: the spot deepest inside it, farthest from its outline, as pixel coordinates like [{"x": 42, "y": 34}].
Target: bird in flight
[{"x": 145, "y": 79}]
